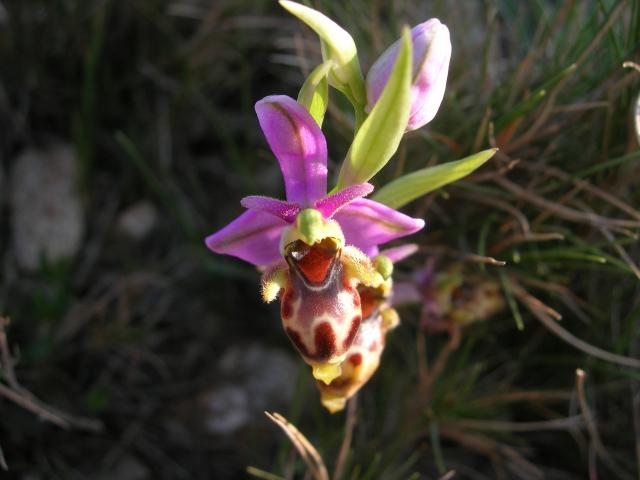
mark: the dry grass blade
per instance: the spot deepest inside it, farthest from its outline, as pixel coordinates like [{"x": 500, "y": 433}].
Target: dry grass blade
[
  {"x": 306, "y": 450},
  {"x": 596, "y": 441},
  {"x": 6, "y": 362},
  {"x": 541, "y": 312},
  {"x": 350, "y": 424},
  {"x": 424, "y": 388},
  {"x": 633, "y": 65},
  {"x": 256, "y": 472},
  {"x": 586, "y": 186},
  {"x": 500, "y": 426},
  {"x": 543, "y": 117},
  {"x": 33, "y": 406},
  {"x": 25, "y": 399},
  {"x": 462, "y": 256},
  {"x": 523, "y": 396},
  {"x": 538, "y": 305},
  {"x": 99, "y": 299},
  {"x": 636, "y": 112},
  {"x": 635, "y": 395},
  {"x": 519, "y": 238},
  {"x": 3, "y": 462},
  {"x": 562, "y": 211},
  {"x": 573, "y": 302},
  {"x": 622, "y": 252},
  {"x": 579, "y": 107},
  {"x": 493, "y": 450},
  {"x": 507, "y": 207},
  {"x": 490, "y": 175},
  {"x": 448, "y": 476},
  {"x": 482, "y": 130},
  {"x": 473, "y": 257},
  {"x": 30, "y": 403}
]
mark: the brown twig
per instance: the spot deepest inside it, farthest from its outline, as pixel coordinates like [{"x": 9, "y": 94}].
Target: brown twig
[
  {"x": 432, "y": 374},
  {"x": 562, "y": 211},
  {"x": 25, "y": 399},
  {"x": 541, "y": 312},
  {"x": 350, "y": 424},
  {"x": 307, "y": 451}
]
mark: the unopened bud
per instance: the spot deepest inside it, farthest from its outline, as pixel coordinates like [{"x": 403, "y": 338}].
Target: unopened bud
[{"x": 431, "y": 55}]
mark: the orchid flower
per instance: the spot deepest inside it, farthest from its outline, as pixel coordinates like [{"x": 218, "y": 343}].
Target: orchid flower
[
  {"x": 450, "y": 297},
  {"x": 454, "y": 298},
  {"x": 315, "y": 246},
  {"x": 363, "y": 357}
]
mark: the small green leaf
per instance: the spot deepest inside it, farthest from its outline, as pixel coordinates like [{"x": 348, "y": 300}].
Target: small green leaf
[
  {"x": 338, "y": 46},
  {"x": 314, "y": 94},
  {"x": 380, "y": 134},
  {"x": 414, "y": 185}
]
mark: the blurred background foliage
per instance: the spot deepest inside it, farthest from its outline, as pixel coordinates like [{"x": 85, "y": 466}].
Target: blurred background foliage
[{"x": 138, "y": 354}]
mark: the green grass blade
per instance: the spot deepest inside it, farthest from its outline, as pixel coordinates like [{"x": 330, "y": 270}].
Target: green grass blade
[
  {"x": 381, "y": 133},
  {"x": 511, "y": 301},
  {"x": 314, "y": 94},
  {"x": 414, "y": 185}
]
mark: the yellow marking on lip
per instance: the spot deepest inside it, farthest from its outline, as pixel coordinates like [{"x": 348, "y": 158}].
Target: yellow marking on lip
[{"x": 326, "y": 372}]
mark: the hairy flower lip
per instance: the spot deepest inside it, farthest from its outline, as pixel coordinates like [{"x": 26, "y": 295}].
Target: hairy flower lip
[{"x": 371, "y": 299}]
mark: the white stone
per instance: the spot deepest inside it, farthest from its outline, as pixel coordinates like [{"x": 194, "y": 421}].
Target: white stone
[
  {"x": 127, "y": 468},
  {"x": 46, "y": 211},
  {"x": 227, "y": 410},
  {"x": 268, "y": 374},
  {"x": 138, "y": 220},
  {"x": 262, "y": 379}
]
